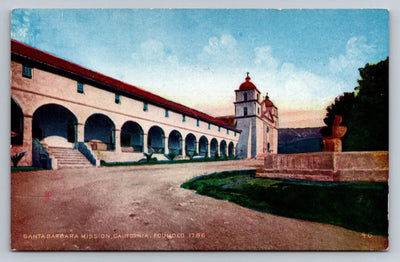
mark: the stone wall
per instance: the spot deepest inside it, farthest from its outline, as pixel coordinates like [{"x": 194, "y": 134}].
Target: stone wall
[{"x": 329, "y": 166}]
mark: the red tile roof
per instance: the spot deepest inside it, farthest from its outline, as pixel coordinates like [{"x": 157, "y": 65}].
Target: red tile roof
[
  {"x": 268, "y": 103},
  {"x": 247, "y": 85},
  {"x": 47, "y": 59},
  {"x": 230, "y": 120}
]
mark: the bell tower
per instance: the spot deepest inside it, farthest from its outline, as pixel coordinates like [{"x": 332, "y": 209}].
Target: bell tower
[
  {"x": 257, "y": 118},
  {"x": 247, "y": 107}
]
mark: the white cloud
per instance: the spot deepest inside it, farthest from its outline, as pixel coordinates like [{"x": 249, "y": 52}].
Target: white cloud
[
  {"x": 20, "y": 25},
  {"x": 264, "y": 57},
  {"x": 220, "y": 50},
  {"x": 153, "y": 52},
  {"x": 297, "y": 89},
  {"x": 293, "y": 88},
  {"x": 356, "y": 54},
  {"x": 211, "y": 88}
]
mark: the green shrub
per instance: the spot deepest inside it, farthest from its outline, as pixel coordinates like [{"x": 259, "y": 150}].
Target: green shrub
[
  {"x": 359, "y": 206},
  {"x": 191, "y": 155},
  {"x": 17, "y": 157},
  {"x": 148, "y": 155},
  {"x": 171, "y": 155}
]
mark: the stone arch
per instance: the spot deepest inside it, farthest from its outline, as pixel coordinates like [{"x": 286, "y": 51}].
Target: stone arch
[
  {"x": 17, "y": 123},
  {"x": 231, "y": 150},
  {"x": 175, "y": 142},
  {"x": 54, "y": 125},
  {"x": 190, "y": 144},
  {"x": 156, "y": 140},
  {"x": 100, "y": 132},
  {"x": 203, "y": 146},
  {"x": 213, "y": 147},
  {"x": 131, "y": 137},
  {"x": 222, "y": 148}
]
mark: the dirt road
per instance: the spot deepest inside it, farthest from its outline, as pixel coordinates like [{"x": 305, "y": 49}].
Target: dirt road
[{"x": 144, "y": 208}]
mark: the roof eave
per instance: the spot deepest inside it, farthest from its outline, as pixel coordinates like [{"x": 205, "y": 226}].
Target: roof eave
[{"x": 34, "y": 54}]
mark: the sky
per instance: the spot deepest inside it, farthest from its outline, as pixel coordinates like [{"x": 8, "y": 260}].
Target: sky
[{"x": 198, "y": 57}]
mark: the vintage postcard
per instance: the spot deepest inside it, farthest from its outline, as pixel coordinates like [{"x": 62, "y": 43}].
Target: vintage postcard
[{"x": 199, "y": 129}]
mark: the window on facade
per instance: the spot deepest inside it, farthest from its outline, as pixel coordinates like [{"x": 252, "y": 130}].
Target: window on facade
[
  {"x": 166, "y": 113},
  {"x": 245, "y": 111},
  {"x": 219, "y": 129},
  {"x": 80, "y": 87},
  {"x": 235, "y": 133},
  {"x": 209, "y": 126},
  {"x": 258, "y": 96},
  {"x": 145, "y": 107},
  {"x": 26, "y": 71},
  {"x": 245, "y": 96},
  {"x": 268, "y": 147},
  {"x": 183, "y": 118},
  {"x": 198, "y": 122},
  {"x": 267, "y": 129},
  {"x": 227, "y": 131},
  {"x": 258, "y": 110},
  {"x": 117, "y": 99}
]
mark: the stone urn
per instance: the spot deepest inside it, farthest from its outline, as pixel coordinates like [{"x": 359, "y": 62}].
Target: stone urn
[{"x": 333, "y": 143}]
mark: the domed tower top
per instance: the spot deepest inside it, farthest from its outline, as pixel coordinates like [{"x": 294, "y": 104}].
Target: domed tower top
[
  {"x": 247, "y": 85},
  {"x": 267, "y": 102}
]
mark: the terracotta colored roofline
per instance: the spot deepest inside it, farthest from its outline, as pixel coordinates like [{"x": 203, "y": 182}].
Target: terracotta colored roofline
[
  {"x": 247, "y": 85},
  {"x": 52, "y": 61},
  {"x": 272, "y": 103},
  {"x": 237, "y": 90}
]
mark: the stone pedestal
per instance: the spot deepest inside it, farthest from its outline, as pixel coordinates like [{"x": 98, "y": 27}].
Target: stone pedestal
[
  {"x": 332, "y": 144},
  {"x": 328, "y": 166}
]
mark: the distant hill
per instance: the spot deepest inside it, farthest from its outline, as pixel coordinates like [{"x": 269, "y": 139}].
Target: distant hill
[{"x": 299, "y": 140}]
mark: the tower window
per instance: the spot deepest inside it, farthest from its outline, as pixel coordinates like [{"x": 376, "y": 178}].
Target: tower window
[
  {"x": 258, "y": 110},
  {"x": 26, "y": 71},
  {"x": 209, "y": 126},
  {"x": 245, "y": 111},
  {"x": 117, "y": 99},
  {"x": 80, "y": 87},
  {"x": 245, "y": 96},
  {"x": 183, "y": 118},
  {"x": 145, "y": 107},
  {"x": 227, "y": 131},
  {"x": 267, "y": 129},
  {"x": 219, "y": 129},
  {"x": 268, "y": 147},
  {"x": 198, "y": 123},
  {"x": 166, "y": 113},
  {"x": 235, "y": 133}
]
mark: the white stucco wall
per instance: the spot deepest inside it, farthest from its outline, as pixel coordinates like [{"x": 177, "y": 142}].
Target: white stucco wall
[{"x": 49, "y": 88}]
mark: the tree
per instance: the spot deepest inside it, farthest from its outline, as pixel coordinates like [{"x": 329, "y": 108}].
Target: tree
[{"x": 365, "y": 111}]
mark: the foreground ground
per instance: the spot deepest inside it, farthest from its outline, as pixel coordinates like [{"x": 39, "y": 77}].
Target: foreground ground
[{"x": 144, "y": 208}]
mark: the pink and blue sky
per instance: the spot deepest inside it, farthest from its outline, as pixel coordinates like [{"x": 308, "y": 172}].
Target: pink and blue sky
[{"x": 198, "y": 57}]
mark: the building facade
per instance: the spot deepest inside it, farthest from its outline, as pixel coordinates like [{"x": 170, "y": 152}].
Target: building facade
[
  {"x": 58, "y": 104},
  {"x": 257, "y": 119}
]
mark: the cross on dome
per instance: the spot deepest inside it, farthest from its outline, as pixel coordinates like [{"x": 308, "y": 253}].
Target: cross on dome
[
  {"x": 247, "y": 85},
  {"x": 248, "y": 77}
]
